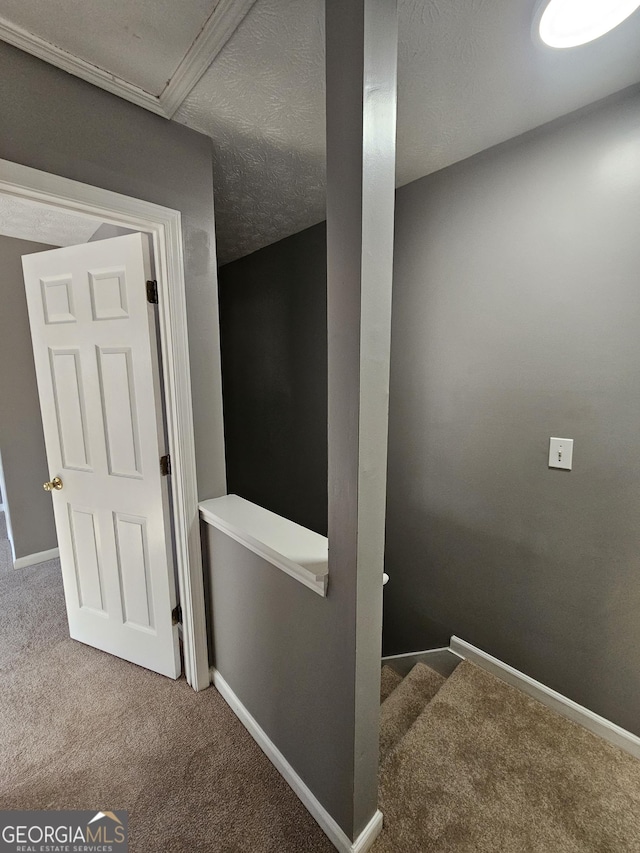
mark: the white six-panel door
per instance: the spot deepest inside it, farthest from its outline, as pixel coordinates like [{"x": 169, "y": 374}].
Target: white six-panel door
[{"x": 97, "y": 367}]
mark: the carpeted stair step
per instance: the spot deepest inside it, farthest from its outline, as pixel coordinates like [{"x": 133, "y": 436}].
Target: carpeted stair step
[
  {"x": 486, "y": 768},
  {"x": 404, "y": 705},
  {"x": 389, "y": 680}
]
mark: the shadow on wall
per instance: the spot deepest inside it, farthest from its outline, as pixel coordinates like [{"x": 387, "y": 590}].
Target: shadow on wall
[{"x": 273, "y": 329}]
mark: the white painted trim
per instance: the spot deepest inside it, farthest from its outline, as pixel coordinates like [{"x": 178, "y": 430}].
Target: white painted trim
[
  {"x": 388, "y": 658},
  {"x": 34, "y": 559},
  {"x": 163, "y": 225},
  {"x": 216, "y": 32},
  {"x": 218, "y": 29},
  {"x": 561, "y": 704},
  {"x": 328, "y": 825},
  {"x": 297, "y": 551},
  {"x": 7, "y": 510},
  {"x": 54, "y": 55},
  {"x": 367, "y": 837},
  {"x": 443, "y": 660},
  {"x": 1, "y": 507}
]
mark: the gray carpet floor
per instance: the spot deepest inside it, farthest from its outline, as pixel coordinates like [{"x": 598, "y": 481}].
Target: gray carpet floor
[
  {"x": 82, "y": 729},
  {"x": 486, "y": 769},
  {"x": 404, "y": 705},
  {"x": 479, "y": 768}
]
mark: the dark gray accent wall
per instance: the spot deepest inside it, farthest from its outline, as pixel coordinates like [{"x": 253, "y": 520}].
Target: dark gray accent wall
[
  {"x": 273, "y": 320},
  {"x": 24, "y": 457},
  {"x": 517, "y": 318},
  {"x": 57, "y": 123}
]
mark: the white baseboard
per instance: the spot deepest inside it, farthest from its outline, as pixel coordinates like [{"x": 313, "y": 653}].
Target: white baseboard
[
  {"x": 328, "y": 825},
  {"x": 443, "y": 660},
  {"x": 561, "y": 704},
  {"x": 34, "y": 559},
  {"x": 367, "y": 837}
]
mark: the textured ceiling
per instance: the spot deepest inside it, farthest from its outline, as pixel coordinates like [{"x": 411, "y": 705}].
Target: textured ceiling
[
  {"x": 470, "y": 76},
  {"x": 42, "y": 224},
  {"x": 262, "y": 103},
  {"x": 141, "y": 41}
]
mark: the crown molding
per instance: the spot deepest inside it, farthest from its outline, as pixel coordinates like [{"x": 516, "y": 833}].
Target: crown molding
[
  {"x": 216, "y": 32},
  {"x": 55, "y": 55},
  {"x": 218, "y": 29}
]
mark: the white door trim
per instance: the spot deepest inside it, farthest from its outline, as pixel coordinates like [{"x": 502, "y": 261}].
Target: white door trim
[
  {"x": 5, "y": 509},
  {"x": 164, "y": 227}
]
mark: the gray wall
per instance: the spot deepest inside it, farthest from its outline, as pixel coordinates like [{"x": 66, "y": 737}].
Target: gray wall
[
  {"x": 273, "y": 315},
  {"x": 282, "y": 648},
  {"x": 57, "y": 123},
  {"x": 21, "y": 438},
  {"x": 517, "y": 317}
]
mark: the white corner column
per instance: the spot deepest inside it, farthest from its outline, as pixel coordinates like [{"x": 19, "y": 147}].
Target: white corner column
[{"x": 361, "y": 139}]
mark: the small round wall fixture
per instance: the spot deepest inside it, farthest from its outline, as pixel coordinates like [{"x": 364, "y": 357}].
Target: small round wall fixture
[{"x": 569, "y": 23}]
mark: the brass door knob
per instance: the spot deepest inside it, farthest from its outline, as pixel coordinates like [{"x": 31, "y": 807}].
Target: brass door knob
[{"x": 56, "y": 484}]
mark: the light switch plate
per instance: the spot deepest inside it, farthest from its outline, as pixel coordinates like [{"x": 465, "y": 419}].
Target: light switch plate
[{"x": 561, "y": 453}]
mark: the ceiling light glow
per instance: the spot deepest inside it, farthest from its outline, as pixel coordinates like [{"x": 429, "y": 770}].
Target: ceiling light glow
[{"x": 568, "y": 23}]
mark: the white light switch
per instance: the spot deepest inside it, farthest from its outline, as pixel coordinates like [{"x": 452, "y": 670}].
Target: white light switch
[{"x": 560, "y": 453}]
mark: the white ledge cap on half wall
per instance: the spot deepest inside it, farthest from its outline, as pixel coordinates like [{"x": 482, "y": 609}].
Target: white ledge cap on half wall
[{"x": 301, "y": 553}]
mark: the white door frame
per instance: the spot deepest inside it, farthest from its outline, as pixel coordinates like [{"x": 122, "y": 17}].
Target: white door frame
[
  {"x": 5, "y": 509},
  {"x": 164, "y": 227}
]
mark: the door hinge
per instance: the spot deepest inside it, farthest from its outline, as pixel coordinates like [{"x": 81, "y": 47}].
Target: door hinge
[
  {"x": 165, "y": 465},
  {"x": 152, "y": 292},
  {"x": 176, "y": 615}
]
